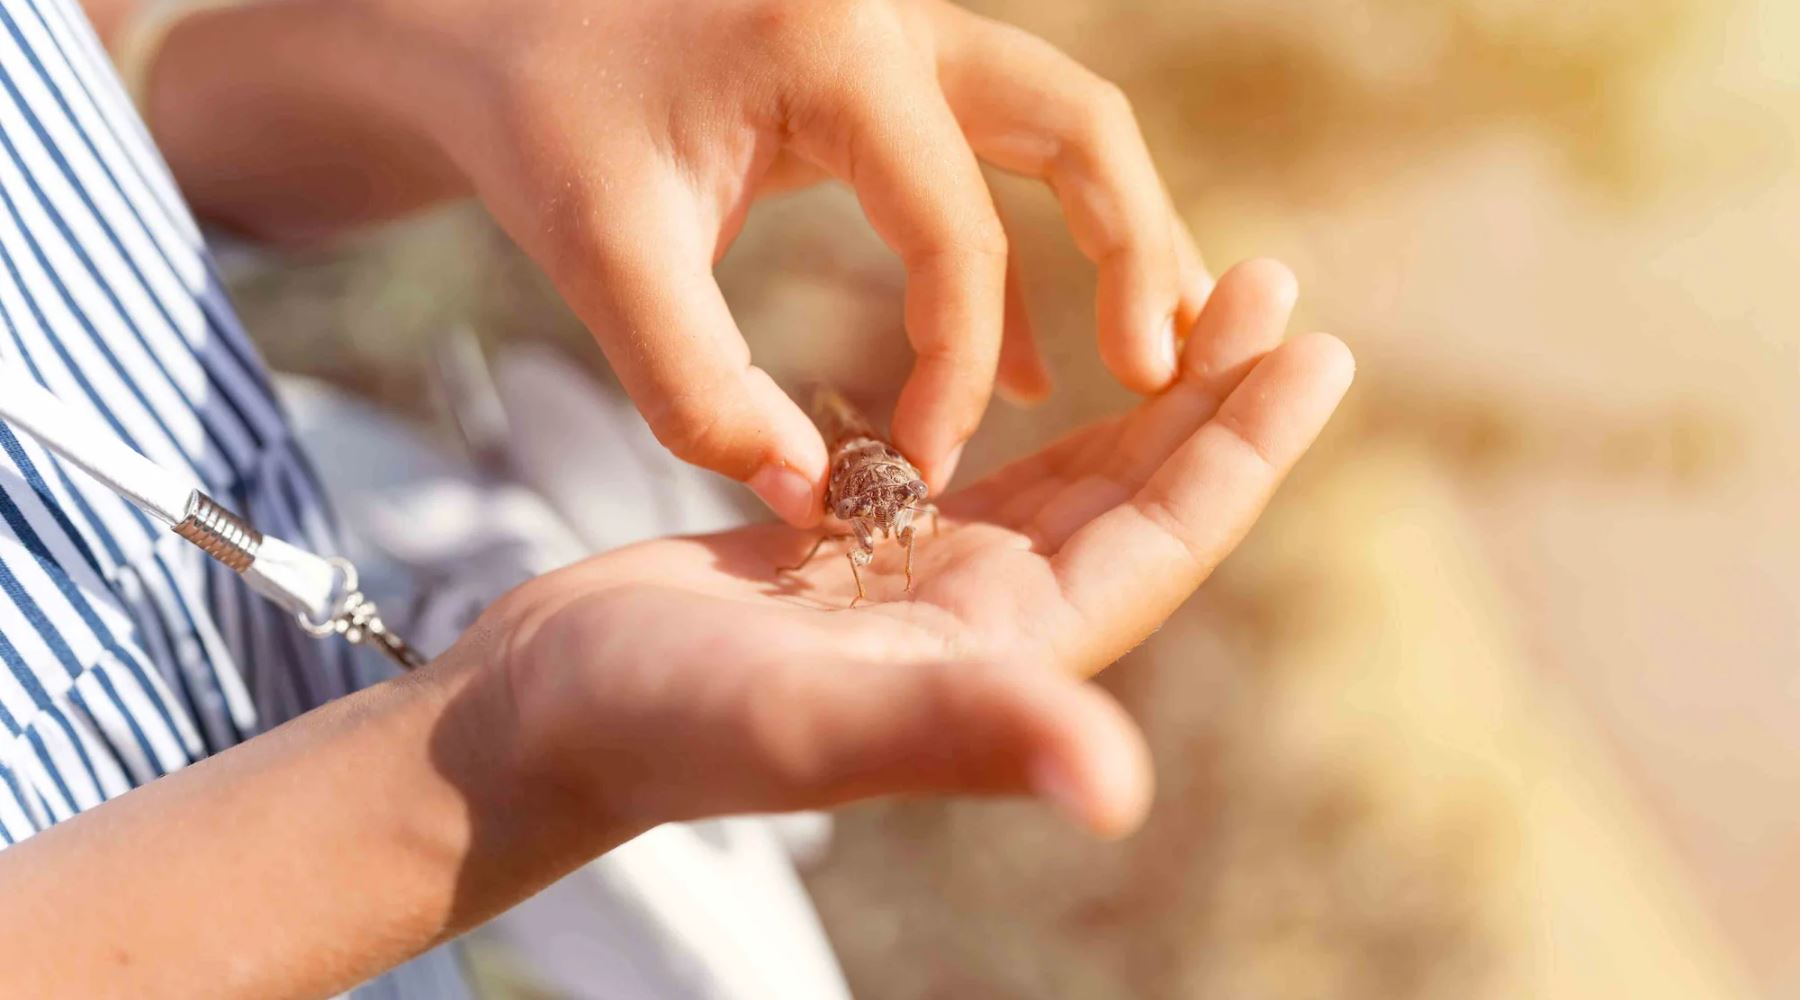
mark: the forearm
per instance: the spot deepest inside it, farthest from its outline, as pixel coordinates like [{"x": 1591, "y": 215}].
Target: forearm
[
  {"x": 299, "y": 863},
  {"x": 291, "y": 120}
]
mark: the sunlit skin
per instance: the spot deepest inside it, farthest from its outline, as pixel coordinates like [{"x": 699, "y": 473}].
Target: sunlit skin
[
  {"x": 681, "y": 678},
  {"x": 757, "y": 690},
  {"x": 622, "y": 144}
]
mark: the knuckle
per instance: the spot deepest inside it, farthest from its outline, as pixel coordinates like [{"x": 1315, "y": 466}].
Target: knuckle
[
  {"x": 987, "y": 237},
  {"x": 1102, "y": 113},
  {"x": 808, "y": 27},
  {"x": 977, "y": 241},
  {"x": 1165, "y": 517},
  {"x": 1110, "y": 101},
  {"x": 689, "y": 426},
  {"x": 776, "y": 22},
  {"x": 1249, "y": 442},
  {"x": 964, "y": 361}
]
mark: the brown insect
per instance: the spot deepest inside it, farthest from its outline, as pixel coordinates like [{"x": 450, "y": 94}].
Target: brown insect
[{"x": 873, "y": 488}]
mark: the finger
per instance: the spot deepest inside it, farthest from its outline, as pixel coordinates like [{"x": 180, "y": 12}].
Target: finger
[
  {"x": 1029, "y": 109},
  {"x": 1244, "y": 319},
  {"x": 1024, "y": 378},
  {"x": 1196, "y": 281},
  {"x": 893, "y": 138},
  {"x": 987, "y": 499},
  {"x": 788, "y": 172},
  {"x": 1133, "y": 565},
  {"x": 952, "y": 727},
  {"x": 665, "y": 328}
]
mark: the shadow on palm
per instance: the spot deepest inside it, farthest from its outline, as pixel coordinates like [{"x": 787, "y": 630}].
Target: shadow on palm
[
  {"x": 1053, "y": 566},
  {"x": 1076, "y": 553}
]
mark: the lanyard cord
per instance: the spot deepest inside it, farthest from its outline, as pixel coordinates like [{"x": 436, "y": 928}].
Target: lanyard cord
[{"x": 321, "y": 592}]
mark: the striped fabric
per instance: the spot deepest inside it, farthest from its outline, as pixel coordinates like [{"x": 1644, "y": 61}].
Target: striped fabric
[{"x": 124, "y": 653}]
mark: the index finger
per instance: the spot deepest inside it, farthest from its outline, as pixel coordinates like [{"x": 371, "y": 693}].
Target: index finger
[
  {"x": 665, "y": 328},
  {"x": 896, "y": 142}
]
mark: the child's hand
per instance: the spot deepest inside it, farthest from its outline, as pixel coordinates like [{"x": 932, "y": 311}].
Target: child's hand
[
  {"x": 622, "y": 143},
  {"x": 686, "y": 677}
]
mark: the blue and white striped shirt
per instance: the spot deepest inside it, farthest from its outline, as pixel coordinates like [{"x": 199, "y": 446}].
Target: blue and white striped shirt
[{"x": 125, "y": 653}]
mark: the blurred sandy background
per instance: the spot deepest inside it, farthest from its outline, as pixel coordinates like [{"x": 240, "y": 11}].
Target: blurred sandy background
[{"x": 1502, "y": 698}]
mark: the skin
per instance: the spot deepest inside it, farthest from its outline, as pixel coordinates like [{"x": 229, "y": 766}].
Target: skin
[
  {"x": 679, "y": 678},
  {"x": 586, "y": 126}
]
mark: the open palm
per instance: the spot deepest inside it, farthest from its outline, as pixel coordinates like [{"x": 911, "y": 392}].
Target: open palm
[{"x": 689, "y": 676}]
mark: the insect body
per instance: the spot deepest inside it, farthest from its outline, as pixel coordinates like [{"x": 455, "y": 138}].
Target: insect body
[{"x": 873, "y": 488}]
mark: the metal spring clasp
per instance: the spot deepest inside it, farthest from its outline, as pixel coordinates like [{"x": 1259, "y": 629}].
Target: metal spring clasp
[{"x": 359, "y": 621}]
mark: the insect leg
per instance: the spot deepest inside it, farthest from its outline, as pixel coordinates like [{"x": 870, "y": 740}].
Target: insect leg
[
  {"x": 862, "y": 554},
  {"x": 812, "y": 552},
  {"x": 936, "y": 524},
  {"x": 906, "y": 538},
  {"x": 865, "y": 537},
  {"x": 856, "y": 572}
]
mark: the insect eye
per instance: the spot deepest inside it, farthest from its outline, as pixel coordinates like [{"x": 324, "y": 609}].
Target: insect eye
[
  {"x": 917, "y": 489},
  {"x": 846, "y": 509}
]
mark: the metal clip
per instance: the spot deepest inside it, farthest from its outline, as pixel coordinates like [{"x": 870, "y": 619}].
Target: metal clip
[{"x": 359, "y": 621}]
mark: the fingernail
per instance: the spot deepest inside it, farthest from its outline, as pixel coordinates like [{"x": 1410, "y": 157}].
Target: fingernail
[
  {"x": 1052, "y": 783},
  {"x": 949, "y": 464},
  {"x": 1165, "y": 346},
  {"x": 787, "y": 492}
]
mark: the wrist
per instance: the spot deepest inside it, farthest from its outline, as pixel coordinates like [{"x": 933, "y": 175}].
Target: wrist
[
  {"x": 527, "y": 824},
  {"x": 578, "y": 678}
]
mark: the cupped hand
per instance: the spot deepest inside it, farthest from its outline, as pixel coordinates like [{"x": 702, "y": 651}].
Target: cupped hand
[
  {"x": 686, "y": 677},
  {"x": 622, "y": 144}
]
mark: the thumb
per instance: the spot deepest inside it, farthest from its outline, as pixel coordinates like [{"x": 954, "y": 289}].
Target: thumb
[{"x": 950, "y": 727}]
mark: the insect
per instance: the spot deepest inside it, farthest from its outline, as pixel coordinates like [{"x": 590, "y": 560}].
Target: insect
[{"x": 873, "y": 488}]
